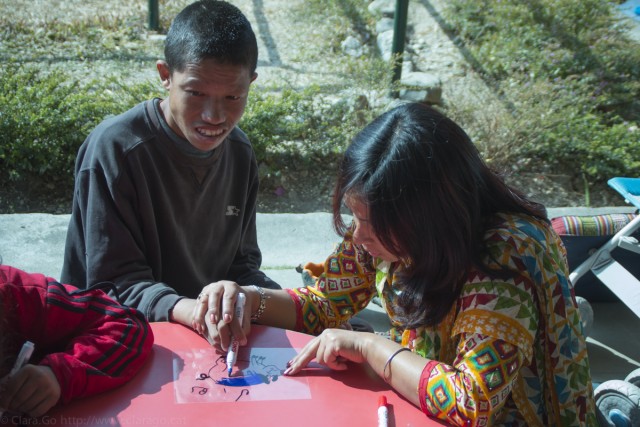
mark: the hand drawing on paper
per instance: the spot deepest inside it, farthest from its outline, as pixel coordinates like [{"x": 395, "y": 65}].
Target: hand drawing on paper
[
  {"x": 258, "y": 373},
  {"x": 259, "y": 377}
]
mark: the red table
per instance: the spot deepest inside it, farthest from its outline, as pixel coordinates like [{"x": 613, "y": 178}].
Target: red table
[{"x": 329, "y": 398}]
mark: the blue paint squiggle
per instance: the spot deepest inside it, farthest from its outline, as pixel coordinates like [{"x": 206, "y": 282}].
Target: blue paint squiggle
[{"x": 243, "y": 381}]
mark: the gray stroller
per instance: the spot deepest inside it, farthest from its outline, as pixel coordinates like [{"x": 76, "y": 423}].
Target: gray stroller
[{"x": 610, "y": 259}]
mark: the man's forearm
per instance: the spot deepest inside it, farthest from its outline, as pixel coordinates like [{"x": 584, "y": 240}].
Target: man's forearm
[{"x": 183, "y": 312}]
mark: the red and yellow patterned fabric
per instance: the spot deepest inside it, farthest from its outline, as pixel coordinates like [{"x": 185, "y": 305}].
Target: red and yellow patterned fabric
[{"x": 511, "y": 350}]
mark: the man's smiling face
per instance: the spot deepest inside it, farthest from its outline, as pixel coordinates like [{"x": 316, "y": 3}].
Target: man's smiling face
[{"x": 206, "y": 100}]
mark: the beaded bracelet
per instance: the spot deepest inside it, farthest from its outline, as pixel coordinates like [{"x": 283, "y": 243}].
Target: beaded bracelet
[
  {"x": 388, "y": 364},
  {"x": 263, "y": 303}
]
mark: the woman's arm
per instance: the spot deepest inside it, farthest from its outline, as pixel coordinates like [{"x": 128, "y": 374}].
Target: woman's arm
[
  {"x": 345, "y": 288},
  {"x": 335, "y": 347},
  {"x": 472, "y": 389}
]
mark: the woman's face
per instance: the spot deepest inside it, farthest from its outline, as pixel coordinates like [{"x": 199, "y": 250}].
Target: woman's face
[{"x": 363, "y": 234}]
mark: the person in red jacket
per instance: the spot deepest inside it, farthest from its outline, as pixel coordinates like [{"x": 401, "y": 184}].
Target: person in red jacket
[{"x": 85, "y": 342}]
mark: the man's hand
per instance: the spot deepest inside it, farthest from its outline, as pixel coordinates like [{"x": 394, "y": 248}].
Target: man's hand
[{"x": 213, "y": 315}]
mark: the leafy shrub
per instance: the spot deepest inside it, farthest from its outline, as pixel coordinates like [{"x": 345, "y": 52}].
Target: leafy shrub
[
  {"x": 45, "y": 113},
  {"x": 573, "y": 77},
  {"x": 560, "y": 130},
  {"x": 44, "y": 118},
  {"x": 304, "y": 122}
]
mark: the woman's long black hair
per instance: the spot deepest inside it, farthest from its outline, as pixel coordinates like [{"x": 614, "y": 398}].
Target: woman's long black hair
[{"x": 429, "y": 194}]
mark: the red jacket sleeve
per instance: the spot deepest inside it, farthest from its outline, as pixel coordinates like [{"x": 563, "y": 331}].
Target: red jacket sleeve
[{"x": 90, "y": 341}]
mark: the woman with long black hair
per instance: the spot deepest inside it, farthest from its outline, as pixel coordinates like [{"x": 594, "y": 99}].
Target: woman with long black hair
[{"x": 485, "y": 326}]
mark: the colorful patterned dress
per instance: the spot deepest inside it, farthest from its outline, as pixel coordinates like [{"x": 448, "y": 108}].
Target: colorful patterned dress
[{"x": 511, "y": 350}]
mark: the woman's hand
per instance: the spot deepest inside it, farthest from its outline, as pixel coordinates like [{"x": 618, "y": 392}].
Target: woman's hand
[
  {"x": 333, "y": 348},
  {"x": 33, "y": 390},
  {"x": 214, "y": 314}
]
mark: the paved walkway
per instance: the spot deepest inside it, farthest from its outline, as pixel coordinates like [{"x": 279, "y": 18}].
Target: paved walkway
[{"x": 35, "y": 242}]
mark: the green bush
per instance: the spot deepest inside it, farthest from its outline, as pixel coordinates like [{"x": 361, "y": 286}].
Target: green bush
[
  {"x": 303, "y": 121},
  {"x": 560, "y": 130},
  {"x": 44, "y": 118},
  {"x": 573, "y": 77}
]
